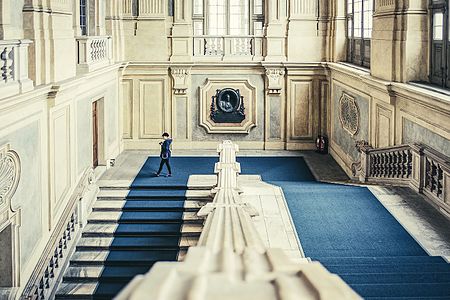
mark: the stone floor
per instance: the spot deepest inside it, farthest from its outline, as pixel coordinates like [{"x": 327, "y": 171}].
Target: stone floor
[{"x": 420, "y": 219}]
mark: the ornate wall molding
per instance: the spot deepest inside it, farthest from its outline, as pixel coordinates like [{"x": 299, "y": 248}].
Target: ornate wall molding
[
  {"x": 247, "y": 91},
  {"x": 275, "y": 77},
  {"x": 349, "y": 114},
  {"x": 9, "y": 176}
]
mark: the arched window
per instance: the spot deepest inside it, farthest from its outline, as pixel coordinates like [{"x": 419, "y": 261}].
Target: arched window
[
  {"x": 228, "y": 17},
  {"x": 359, "y": 31},
  {"x": 440, "y": 43}
]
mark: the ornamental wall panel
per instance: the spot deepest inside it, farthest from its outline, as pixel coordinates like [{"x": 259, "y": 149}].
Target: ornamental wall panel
[
  {"x": 152, "y": 107},
  {"x": 127, "y": 108},
  {"x": 301, "y": 109},
  {"x": 209, "y": 90}
]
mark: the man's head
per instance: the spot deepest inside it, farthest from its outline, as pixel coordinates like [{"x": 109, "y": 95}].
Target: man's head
[{"x": 165, "y": 135}]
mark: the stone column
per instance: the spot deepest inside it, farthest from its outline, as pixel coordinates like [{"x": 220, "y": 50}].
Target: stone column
[
  {"x": 275, "y": 108},
  {"x": 336, "y": 30},
  {"x": 276, "y": 31},
  {"x": 182, "y": 31},
  {"x": 400, "y": 40},
  {"x": 181, "y": 102},
  {"x": 305, "y": 38}
]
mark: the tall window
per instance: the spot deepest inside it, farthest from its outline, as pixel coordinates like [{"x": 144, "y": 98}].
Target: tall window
[
  {"x": 440, "y": 43},
  {"x": 228, "y": 17},
  {"x": 359, "y": 31},
  {"x": 83, "y": 17}
]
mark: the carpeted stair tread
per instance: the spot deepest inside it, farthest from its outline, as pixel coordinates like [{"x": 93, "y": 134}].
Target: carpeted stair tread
[
  {"x": 382, "y": 260},
  {"x": 148, "y": 242},
  {"x": 89, "y": 291},
  {"x": 134, "y": 216},
  {"x": 403, "y": 290},
  {"x": 144, "y": 205},
  {"x": 122, "y": 257},
  {"x": 103, "y": 273},
  {"x": 389, "y": 268},
  {"x": 387, "y": 278},
  {"x": 154, "y": 229}
]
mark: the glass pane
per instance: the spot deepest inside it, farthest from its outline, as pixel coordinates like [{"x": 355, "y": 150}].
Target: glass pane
[
  {"x": 198, "y": 7},
  {"x": 217, "y": 17},
  {"x": 357, "y": 13},
  {"x": 198, "y": 27},
  {"x": 438, "y": 26},
  {"x": 239, "y": 17},
  {"x": 258, "y": 7},
  {"x": 349, "y": 6},
  {"x": 368, "y": 14},
  {"x": 258, "y": 28}
]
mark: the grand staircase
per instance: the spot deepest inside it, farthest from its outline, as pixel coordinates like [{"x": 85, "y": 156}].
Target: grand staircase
[{"x": 127, "y": 232}]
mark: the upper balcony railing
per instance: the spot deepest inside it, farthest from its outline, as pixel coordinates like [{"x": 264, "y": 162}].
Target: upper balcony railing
[
  {"x": 14, "y": 67},
  {"x": 232, "y": 48},
  {"x": 94, "y": 52}
]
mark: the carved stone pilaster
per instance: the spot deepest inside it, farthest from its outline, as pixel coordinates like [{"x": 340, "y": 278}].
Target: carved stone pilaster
[
  {"x": 180, "y": 77},
  {"x": 275, "y": 79}
]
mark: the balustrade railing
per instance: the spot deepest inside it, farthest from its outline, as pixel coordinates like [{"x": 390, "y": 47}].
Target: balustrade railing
[
  {"x": 417, "y": 166},
  {"x": 94, "y": 52},
  {"x": 14, "y": 67},
  {"x": 231, "y": 261},
  {"x": 228, "y": 47}
]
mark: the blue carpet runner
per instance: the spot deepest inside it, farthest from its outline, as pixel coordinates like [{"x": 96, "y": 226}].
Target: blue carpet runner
[
  {"x": 148, "y": 230},
  {"x": 351, "y": 233},
  {"x": 150, "y": 226}
]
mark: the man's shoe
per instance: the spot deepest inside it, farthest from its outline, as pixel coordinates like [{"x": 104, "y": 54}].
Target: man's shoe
[
  {"x": 156, "y": 174},
  {"x": 169, "y": 175}
]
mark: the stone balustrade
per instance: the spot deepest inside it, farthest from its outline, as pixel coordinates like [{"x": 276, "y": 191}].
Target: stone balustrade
[
  {"x": 228, "y": 47},
  {"x": 231, "y": 261},
  {"x": 94, "y": 52},
  {"x": 417, "y": 166},
  {"x": 14, "y": 67}
]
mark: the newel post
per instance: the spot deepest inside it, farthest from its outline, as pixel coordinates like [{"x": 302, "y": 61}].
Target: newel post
[{"x": 418, "y": 168}]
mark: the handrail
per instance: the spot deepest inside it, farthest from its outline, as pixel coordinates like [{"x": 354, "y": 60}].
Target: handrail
[
  {"x": 231, "y": 260},
  {"x": 419, "y": 166}
]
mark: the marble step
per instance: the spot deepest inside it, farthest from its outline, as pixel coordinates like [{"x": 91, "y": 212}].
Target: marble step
[
  {"x": 143, "y": 217},
  {"x": 195, "y": 182},
  {"x": 111, "y": 230},
  {"x": 121, "y": 257},
  {"x": 147, "y": 205},
  {"x": 104, "y": 273},
  {"x": 135, "y": 243},
  {"x": 89, "y": 290},
  {"x": 118, "y": 194}
]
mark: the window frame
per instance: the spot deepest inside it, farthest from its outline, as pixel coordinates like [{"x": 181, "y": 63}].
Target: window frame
[
  {"x": 359, "y": 47},
  {"x": 253, "y": 18},
  {"x": 439, "y": 70}
]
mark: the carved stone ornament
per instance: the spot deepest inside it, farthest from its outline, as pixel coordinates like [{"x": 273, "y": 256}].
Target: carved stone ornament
[
  {"x": 180, "y": 77},
  {"x": 9, "y": 175},
  {"x": 349, "y": 114},
  {"x": 275, "y": 78},
  {"x": 227, "y": 106}
]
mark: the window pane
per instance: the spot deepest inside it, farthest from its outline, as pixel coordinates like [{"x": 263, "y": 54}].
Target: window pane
[
  {"x": 368, "y": 14},
  {"x": 198, "y": 7},
  {"x": 258, "y": 7},
  {"x": 83, "y": 18},
  {"x": 217, "y": 17},
  {"x": 438, "y": 20},
  {"x": 198, "y": 27},
  {"x": 258, "y": 28},
  {"x": 349, "y": 6},
  {"x": 239, "y": 17},
  {"x": 357, "y": 18}
]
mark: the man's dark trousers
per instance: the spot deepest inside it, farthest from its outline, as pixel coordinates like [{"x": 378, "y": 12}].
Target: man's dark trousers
[{"x": 165, "y": 162}]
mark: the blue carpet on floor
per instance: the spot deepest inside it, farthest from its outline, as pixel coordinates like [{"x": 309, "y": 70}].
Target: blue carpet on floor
[{"x": 352, "y": 234}]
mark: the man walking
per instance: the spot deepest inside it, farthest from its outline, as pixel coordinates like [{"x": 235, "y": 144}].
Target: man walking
[{"x": 165, "y": 154}]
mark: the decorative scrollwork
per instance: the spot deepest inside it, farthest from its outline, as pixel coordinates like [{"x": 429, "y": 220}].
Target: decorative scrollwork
[
  {"x": 9, "y": 174},
  {"x": 349, "y": 114}
]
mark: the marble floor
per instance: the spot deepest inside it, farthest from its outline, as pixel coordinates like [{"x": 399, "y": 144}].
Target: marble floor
[{"x": 429, "y": 227}]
